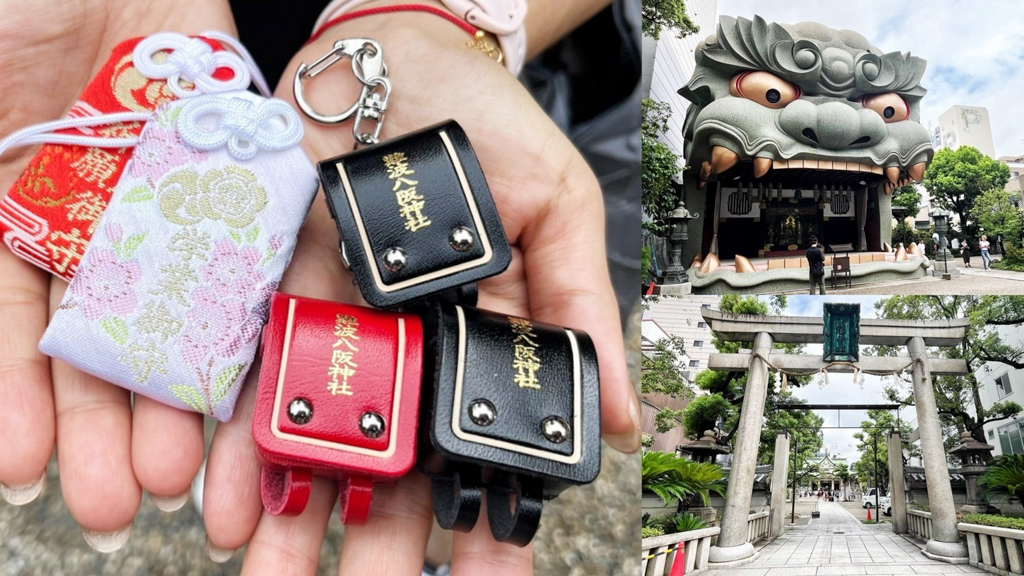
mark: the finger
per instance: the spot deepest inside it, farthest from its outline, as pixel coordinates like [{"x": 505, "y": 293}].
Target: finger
[
  {"x": 27, "y": 429},
  {"x": 394, "y": 539},
  {"x": 94, "y": 428},
  {"x": 567, "y": 278},
  {"x": 231, "y": 489},
  {"x": 291, "y": 544},
  {"x": 167, "y": 450},
  {"x": 475, "y": 553}
]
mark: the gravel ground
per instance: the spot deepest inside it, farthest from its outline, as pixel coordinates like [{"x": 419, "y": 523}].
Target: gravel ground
[{"x": 592, "y": 530}]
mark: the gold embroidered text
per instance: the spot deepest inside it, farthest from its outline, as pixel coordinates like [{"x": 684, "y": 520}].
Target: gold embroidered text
[
  {"x": 410, "y": 202},
  {"x": 342, "y": 367},
  {"x": 526, "y": 362}
]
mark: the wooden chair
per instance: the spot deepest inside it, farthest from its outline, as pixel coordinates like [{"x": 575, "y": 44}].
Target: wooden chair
[{"x": 841, "y": 269}]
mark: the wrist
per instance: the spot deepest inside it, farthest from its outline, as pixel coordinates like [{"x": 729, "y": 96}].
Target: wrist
[{"x": 404, "y": 27}]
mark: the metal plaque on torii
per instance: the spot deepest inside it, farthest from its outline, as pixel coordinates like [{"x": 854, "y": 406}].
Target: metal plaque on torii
[{"x": 842, "y": 332}]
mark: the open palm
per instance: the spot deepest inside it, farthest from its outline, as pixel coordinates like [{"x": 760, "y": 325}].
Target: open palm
[{"x": 552, "y": 213}]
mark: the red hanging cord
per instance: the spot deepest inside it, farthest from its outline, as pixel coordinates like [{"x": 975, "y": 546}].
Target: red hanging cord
[{"x": 469, "y": 28}]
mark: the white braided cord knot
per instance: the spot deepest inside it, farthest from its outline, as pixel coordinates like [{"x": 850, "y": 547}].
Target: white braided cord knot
[
  {"x": 191, "y": 60},
  {"x": 245, "y": 126}
]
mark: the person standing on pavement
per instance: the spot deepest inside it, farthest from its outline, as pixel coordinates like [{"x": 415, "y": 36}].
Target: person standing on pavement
[
  {"x": 985, "y": 258},
  {"x": 816, "y": 265},
  {"x": 965, "y": 252}
]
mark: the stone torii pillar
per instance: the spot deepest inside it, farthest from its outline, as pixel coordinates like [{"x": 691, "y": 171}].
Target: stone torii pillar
[
  {"x": 896, "y": 481},
  {"x": 780, "y": 477},
  {"x": 732, "y": 544},
  {"x": 945, "y": 542}
]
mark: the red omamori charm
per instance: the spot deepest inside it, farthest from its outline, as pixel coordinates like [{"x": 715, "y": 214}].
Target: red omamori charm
[
  {"x": 338, "y": 396},
  {"x": 50, "y": 213}
]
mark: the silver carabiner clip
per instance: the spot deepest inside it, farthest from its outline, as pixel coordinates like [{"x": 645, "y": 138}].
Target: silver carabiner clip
[{"x": 370, "y": 65}]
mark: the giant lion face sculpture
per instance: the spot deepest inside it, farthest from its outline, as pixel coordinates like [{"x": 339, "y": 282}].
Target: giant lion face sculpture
[{"x": 773, "y": 97}]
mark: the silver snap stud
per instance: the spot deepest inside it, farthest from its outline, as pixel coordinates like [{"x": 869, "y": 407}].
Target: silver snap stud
[
  {"x": 482, "y": 412},
  {"x": 555, "y": 429},
  {"x": 372, "y": 425},
  {"x": 461, "y": 239},
  {"x": 300, "y": 411},
  {"x": 395, "y": 260}
]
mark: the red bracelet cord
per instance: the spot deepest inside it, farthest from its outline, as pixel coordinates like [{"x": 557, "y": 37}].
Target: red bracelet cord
[{"x": 469, "y": 28}]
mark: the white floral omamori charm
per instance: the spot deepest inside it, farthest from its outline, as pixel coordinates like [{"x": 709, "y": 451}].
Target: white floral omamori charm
[{"x": 172, "y": 293}]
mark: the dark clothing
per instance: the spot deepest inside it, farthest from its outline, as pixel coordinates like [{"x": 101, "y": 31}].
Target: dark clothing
[
  {"x": 965, "y": 251},
  {"x": 816, "y": 261},
  {"x": 819, "y": 283}
]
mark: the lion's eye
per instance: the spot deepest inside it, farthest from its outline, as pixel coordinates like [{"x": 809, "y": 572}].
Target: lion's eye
[
  {"x": 891, "y": 107},
  {"x": 764, "y": 88}
]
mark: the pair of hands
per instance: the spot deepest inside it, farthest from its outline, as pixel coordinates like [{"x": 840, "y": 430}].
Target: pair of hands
[{"x": 109, "y": 450}]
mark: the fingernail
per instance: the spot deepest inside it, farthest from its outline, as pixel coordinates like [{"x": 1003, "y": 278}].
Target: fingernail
[
  {"x": 107, "y": 542},
  {"x": 628, "y": 442},
  {"x": 169, "y": 504},
  {"x": 21, "y": 495},
  {"x": 218, "y": 555}
]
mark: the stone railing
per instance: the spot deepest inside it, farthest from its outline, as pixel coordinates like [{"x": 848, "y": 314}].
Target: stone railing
[
  {"x": 696, "y": 543},
  {"x": 758, "y": 526},
  {"x": 919, "y": 524},
  {"x": 994, "y": 549}
]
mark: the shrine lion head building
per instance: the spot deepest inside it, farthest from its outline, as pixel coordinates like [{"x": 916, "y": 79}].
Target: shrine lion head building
[{"x": 793, "y": 131}]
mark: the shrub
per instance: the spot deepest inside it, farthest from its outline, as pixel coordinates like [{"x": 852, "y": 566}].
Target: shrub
[
  {"x": 674, "y": 478},
  {"x": 685, "y": 522},
  {"x": 703, "y": 412},
  {"x": 1012, "y": 260},
  {"x": 651, "y": 532},
  {"x": 995, "y": 520},
  {"x": 1005, "y": 477}
]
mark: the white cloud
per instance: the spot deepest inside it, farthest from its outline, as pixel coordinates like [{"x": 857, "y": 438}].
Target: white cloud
[{"x": 974, "y": 50}]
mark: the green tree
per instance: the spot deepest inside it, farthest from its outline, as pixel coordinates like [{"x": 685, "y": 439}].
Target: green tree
[
  {"x": 996, "y": 215},
  {"x": 660, "y": 374},
  {"x": 959, "y": 397},
  {"x": 804, "y": 427},
  {"x": 729, "y": 387},
  {"x": 957, "y": 178},
  {"x": 908, "y": 198},
  {"x": 658, "y": 14},
  {"x": 659, "y": 165},
  {"x": 842, "y": 471},
  {"x": 874, "y": 434},
  {"x": 704, "y": 413}
]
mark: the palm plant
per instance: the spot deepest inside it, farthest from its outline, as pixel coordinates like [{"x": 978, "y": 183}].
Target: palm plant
[
  {"x": 685, "y": 522},
  {"x": 674, "y": 478},
  {"x": 1005, "y": 477}
]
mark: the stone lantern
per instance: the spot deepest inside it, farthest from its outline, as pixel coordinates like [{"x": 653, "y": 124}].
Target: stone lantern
[
  {"x": 675, "y": 272},
  {"x": 942, "y": 254},
  {"x": 973, "y": 454},
  {"x": 706, "y": 449}
]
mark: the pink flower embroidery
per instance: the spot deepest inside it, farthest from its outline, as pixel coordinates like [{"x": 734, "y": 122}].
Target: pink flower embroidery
[
  {"x": 212, "y": 327},
  {"x": 160, "y": 150},
  {"x": 233, "y": 269},
  {"x": 106, "y": 285}
]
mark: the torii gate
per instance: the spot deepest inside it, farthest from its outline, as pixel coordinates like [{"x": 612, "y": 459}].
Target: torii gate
[{"x": 732, "y": 548}]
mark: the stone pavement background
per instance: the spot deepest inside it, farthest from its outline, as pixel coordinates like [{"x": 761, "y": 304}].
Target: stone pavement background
[{"x": 838, "y": 544}]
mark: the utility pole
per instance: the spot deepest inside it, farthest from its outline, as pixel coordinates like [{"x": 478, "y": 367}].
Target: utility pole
[
  {"x": 796, "y": 444},
  {"x": 875, "y": 442}
]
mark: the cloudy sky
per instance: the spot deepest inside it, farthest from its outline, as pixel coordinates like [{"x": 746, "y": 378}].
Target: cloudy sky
[
  {"x": 840, "y": 389},
  {"x": 975, "y": 50}
]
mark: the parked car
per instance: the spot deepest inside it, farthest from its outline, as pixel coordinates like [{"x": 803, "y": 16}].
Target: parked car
[{"x": 867, "y": 500}]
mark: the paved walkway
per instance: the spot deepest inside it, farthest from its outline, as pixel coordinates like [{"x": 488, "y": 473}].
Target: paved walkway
[{"x": 838, "y": 544}]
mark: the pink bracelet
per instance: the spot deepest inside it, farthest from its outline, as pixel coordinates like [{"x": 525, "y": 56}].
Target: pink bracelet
[{"x": 503, "y": 18}]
